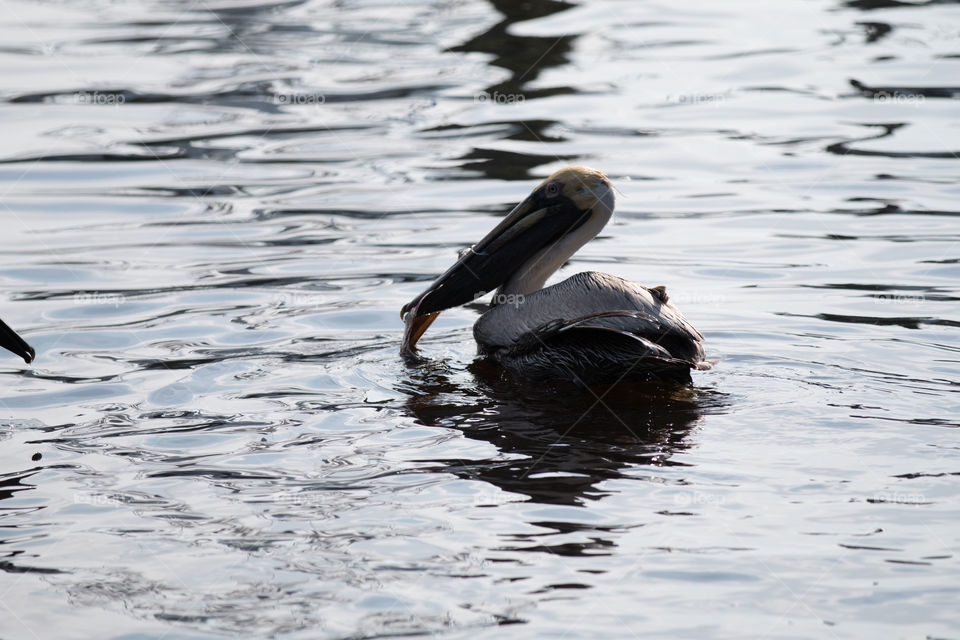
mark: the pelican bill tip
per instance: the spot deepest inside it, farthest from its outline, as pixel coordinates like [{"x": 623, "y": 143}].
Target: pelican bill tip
[{"x": 416, "y": 326}]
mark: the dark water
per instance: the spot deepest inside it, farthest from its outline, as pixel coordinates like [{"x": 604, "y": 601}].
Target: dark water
[{"x": 213, "y": 212}]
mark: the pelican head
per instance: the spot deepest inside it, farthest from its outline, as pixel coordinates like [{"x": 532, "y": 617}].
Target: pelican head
[{"x": 562, "y": 214}]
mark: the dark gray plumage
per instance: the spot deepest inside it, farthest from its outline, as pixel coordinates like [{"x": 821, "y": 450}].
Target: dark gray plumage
[{"x": 592, "y": 328}]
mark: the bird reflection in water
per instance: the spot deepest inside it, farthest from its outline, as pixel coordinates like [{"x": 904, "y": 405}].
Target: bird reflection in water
[{"x": 558, "y": 441}]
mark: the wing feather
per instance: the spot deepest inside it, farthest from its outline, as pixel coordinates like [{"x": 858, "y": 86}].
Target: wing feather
[{"x": 593, "y": 328}]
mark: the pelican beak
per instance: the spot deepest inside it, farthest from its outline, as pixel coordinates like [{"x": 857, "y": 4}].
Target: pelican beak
[
  {"x": 534, "y": 225},
  {"x": 10, "y": 341}
]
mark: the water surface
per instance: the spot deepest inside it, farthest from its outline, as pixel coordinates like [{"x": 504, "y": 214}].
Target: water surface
[{"x": 213, "y": 212}]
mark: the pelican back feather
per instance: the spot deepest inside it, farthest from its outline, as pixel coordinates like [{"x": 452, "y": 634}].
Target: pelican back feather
[{"x": 592, "y": 328}]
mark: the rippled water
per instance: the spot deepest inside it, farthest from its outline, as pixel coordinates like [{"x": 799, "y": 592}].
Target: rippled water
[{"x": 213, "y": 212}]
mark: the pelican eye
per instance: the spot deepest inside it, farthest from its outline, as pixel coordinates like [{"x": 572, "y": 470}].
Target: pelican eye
[{"x": 552, "y": 190}]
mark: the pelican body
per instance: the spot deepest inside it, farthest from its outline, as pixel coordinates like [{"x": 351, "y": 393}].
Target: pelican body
[{"x": 590, "y": 328}]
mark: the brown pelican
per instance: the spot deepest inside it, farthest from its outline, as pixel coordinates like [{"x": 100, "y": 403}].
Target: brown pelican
[
  {"x": 10, "y": 341},
  {"x": 590, "y": 328}
]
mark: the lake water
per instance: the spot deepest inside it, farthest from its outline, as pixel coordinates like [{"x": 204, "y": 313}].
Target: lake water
[{"x": 213, "y": 212}]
